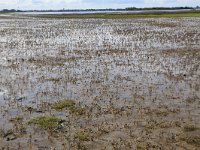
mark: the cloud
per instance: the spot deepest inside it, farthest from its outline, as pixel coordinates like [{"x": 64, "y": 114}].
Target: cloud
[
  {"x": 169, "y": 3},
  {"x": 77, "y": 4},
  {"x": 8, "y": 2}
]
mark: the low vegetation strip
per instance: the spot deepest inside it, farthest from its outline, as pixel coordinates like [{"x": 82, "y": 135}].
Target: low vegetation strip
[
  {"x": 63, "y": 104},
  {"x": 46, "y": 122},
  {"x": 192, "y": 13}
]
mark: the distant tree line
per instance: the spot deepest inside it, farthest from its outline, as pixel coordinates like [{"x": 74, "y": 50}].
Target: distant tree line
[
  {"x": 109, "y": 9},
  {"x": 76, "y": 10},
  {"x": 10, "y": 10},
  {"x": 160, "y": 8}
]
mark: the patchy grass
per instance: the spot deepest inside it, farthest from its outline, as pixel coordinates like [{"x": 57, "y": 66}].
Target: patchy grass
[
  {"x": 193, "y": 140},
  {"x": 63, "y": 104},
  {"x": 162, "y": 111},
  {"x": 164, "y": 124},
  {"x": 77, "y": 110},
  {"x": 141, "y": 146},
  {"x": 124, "y": 15},
  {"x": 181, "y": 52},
  {"x": 46, "y": 122},
  {"x": 190, "y": 127},
  {"x": 83, "y": 136},
  {"x": 16, "y": 119},
  {"x": 54, "y": 79}
]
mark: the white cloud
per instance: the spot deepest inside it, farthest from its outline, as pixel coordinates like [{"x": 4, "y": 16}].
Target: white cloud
[
  {"x": 9, "y": 2},
  {"x": 188, "y": 2},
  {"x": 51, "y": 4},
  {"x": 152, "y": 3},
  {"x": 169, "y": 3}
]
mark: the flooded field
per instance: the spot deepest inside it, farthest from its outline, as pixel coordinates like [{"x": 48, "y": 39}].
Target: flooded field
[{"x": 99, "y": 83}]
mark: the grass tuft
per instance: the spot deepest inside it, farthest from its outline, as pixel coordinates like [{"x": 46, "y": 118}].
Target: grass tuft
[
  {"x": 78, "y": 110},
  {"x": 46, "y": 122},
  {"x": 63, "y": 104},
  {"x": 54, "y": 79},
  {"x": 83, "y": 136}
]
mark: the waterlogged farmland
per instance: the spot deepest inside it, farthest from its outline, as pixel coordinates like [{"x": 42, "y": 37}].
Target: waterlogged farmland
[{"x": 99, "y": 83}]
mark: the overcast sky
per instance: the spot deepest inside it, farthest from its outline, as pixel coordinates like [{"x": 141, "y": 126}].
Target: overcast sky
[{"x": 85, "y": 4}]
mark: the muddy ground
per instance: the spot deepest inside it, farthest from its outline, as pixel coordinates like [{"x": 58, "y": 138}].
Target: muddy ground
[{"x": 136, "y": 80}]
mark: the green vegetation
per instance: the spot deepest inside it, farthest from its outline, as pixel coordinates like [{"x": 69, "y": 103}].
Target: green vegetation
[
  {"x": 54, "y": 79},
  {"x": 193, "y": 13},
  {"x": 77, "y": 110},
  {"x": 83, "y": 136},
  {"x": 63, "y": 104},
  {"x": 46, "y": 122},
  {"x": 141, "y": 146}
]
